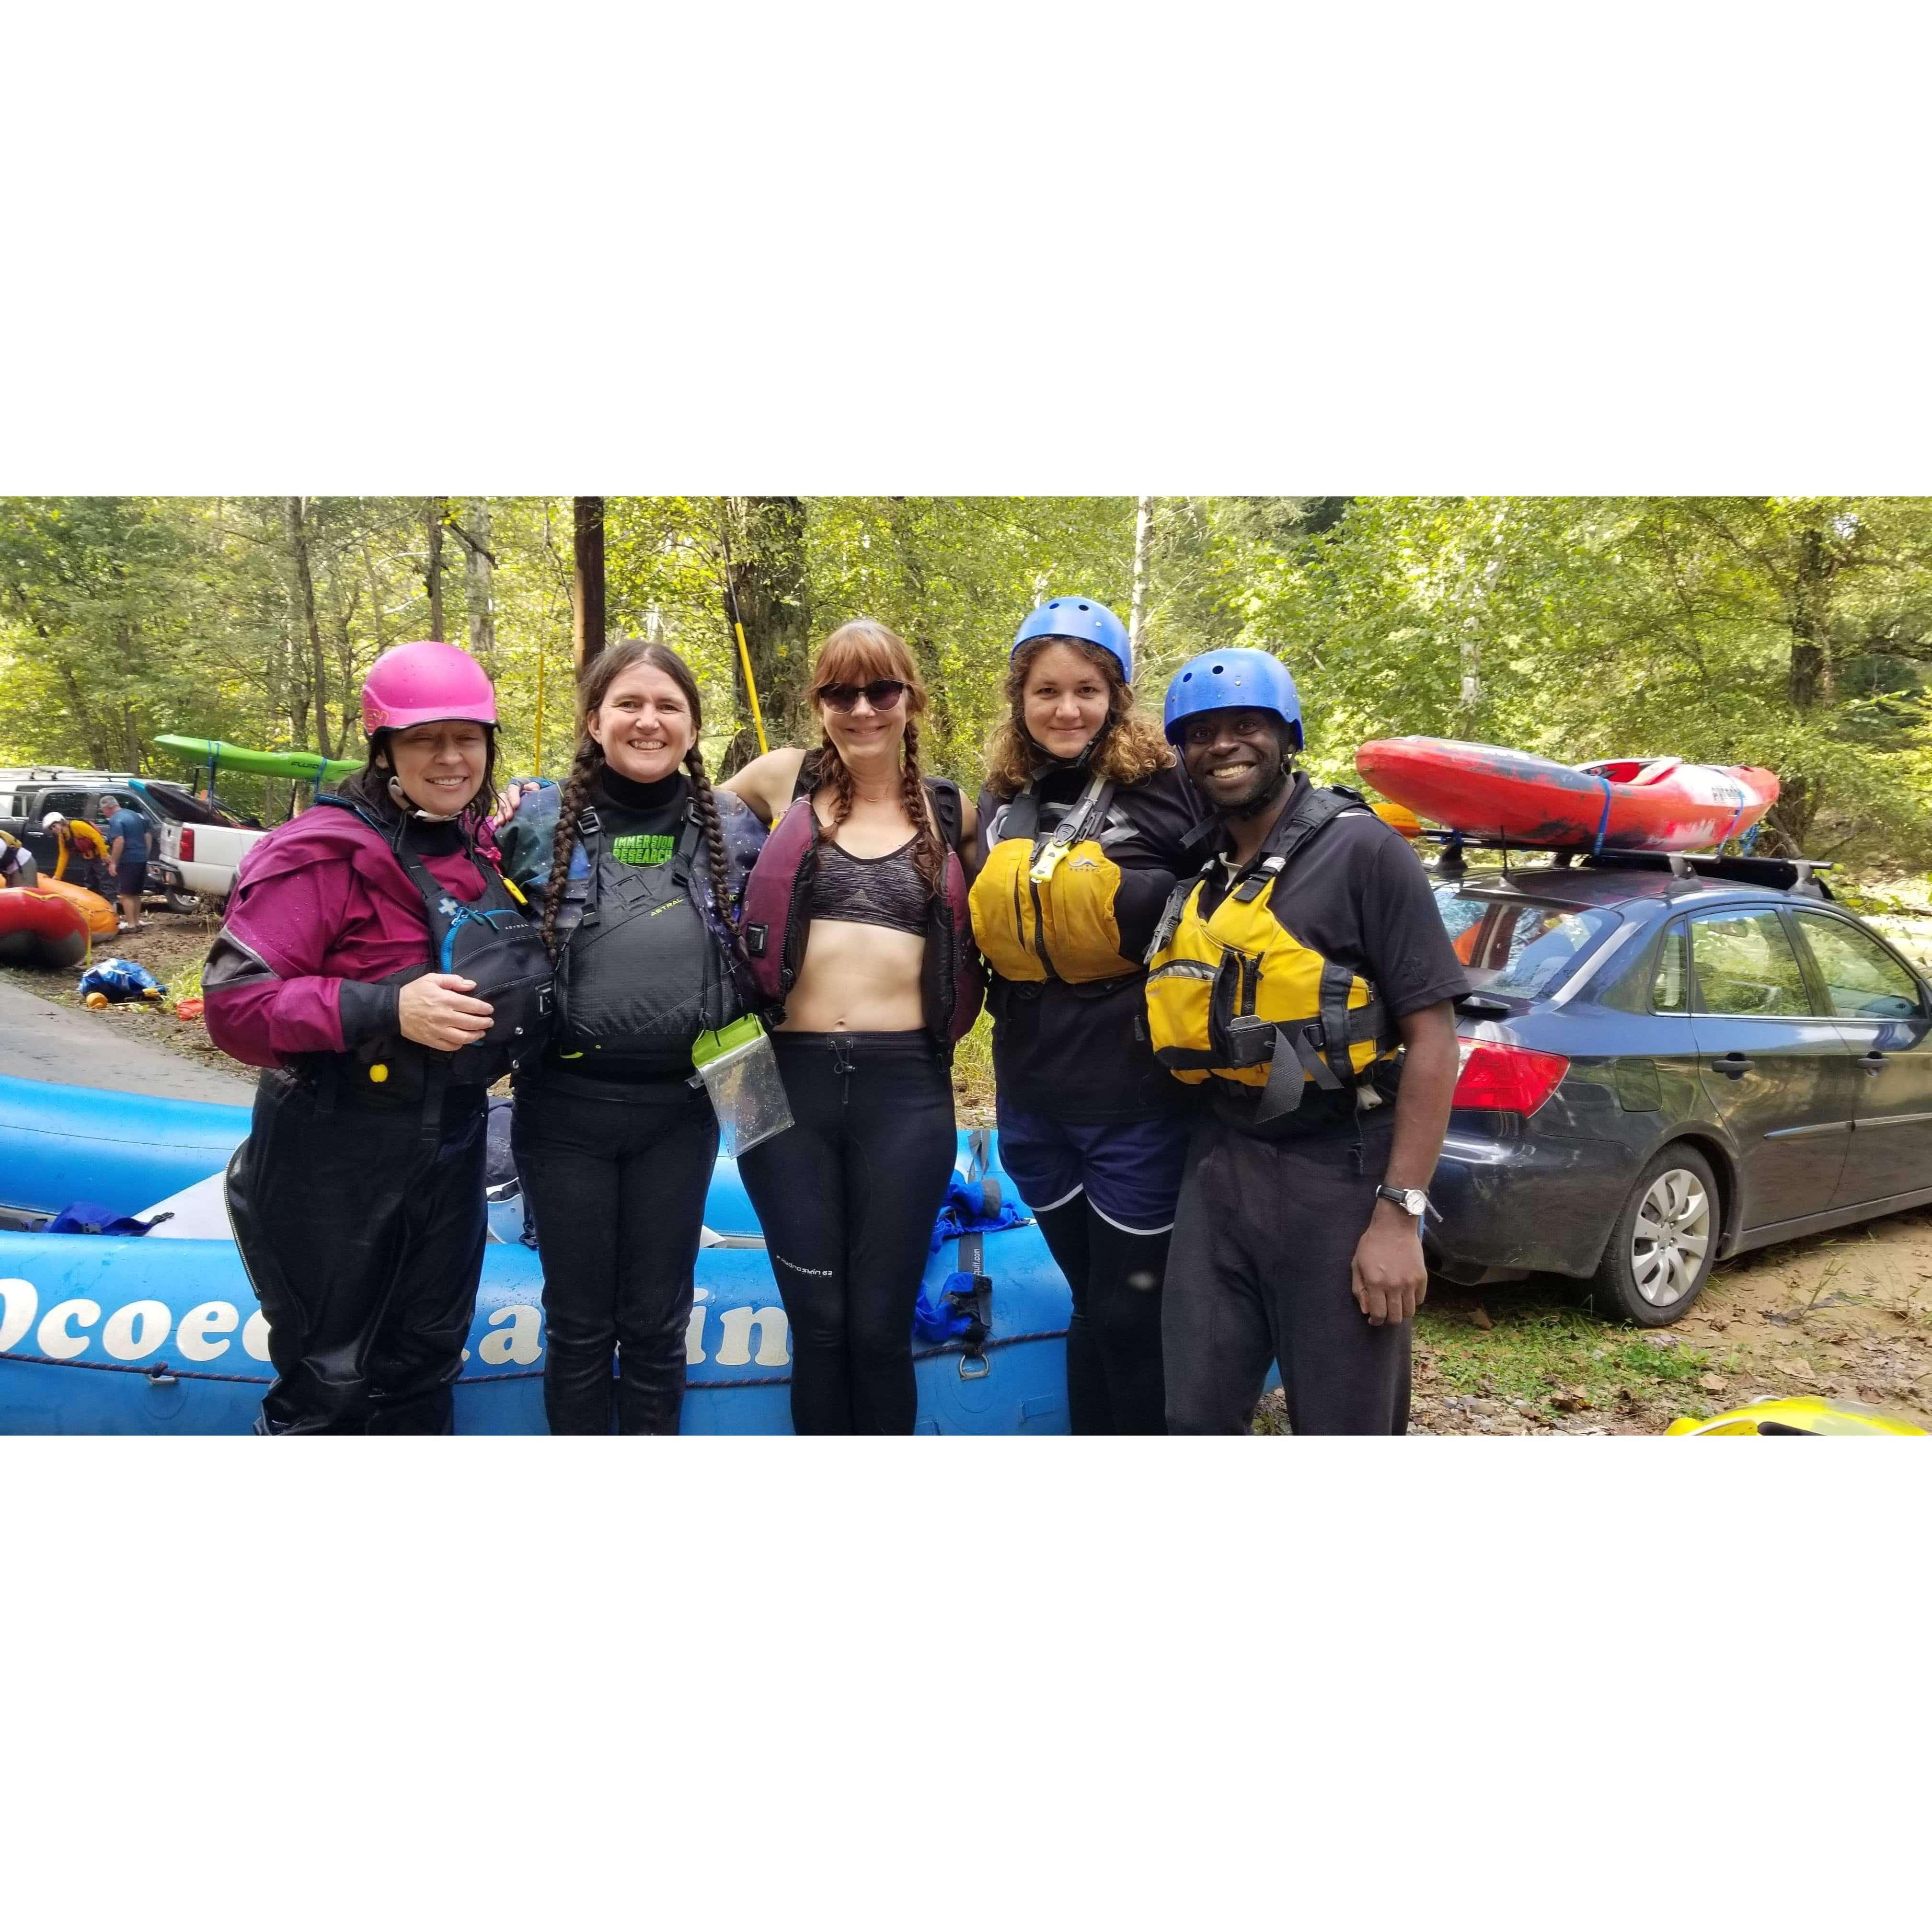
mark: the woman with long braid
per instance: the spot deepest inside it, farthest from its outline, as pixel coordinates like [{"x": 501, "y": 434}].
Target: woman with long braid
[
  {"x": 640, "y": 867},
  {"x": 858, "y": 935}
]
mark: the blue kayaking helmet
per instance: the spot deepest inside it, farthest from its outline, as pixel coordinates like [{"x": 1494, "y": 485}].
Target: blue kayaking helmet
[
  {"x": 1242, "y": 679},
  {"x": 1085, "y": 621}
]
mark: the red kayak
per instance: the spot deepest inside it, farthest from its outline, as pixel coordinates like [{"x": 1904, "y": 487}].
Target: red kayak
[
  {"x": 41, "y": 928},
  {"x": 1643, "y": 805}
]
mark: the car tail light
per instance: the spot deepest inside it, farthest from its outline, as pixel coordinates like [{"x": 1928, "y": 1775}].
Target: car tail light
[
  {"x": 1506, "y": 1079},
  {"x": 187, "y": 842}
]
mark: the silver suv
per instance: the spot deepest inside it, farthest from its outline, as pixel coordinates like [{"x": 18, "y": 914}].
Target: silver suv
[{"x": 28, "y": 793}]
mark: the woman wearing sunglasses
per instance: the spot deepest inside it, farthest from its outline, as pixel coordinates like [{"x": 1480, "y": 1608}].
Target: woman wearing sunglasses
[
  {"x": 1083, "y": 829},
  {"x": 856, "y": 926}
]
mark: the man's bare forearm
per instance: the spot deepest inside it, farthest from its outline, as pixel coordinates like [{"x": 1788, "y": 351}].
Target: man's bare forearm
[{"x": 1430, "y": 1063}]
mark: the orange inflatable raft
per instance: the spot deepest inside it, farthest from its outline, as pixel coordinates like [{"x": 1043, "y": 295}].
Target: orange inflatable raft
[
  {"x": 40, "y": 927},
  {"x": 102, "y": 921}
]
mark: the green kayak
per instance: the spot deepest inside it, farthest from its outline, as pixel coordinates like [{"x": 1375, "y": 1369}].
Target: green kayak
[{"x": 310, "y": 767}]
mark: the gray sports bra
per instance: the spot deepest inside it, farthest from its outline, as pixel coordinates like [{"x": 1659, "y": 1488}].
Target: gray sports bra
[{"x": 886, "y": 891}]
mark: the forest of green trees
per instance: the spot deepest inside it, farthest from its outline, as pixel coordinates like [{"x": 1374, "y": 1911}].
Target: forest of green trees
[{"x": 1791, "y": 632}]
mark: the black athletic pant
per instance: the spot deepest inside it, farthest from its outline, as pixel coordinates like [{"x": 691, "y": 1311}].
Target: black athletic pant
[
  {"x": 848, "y": 1197},
  {"x": 1114, "y": 1385},
  {"x": 618, "y": 1186},
  {"x": 363, "y": 1238},
  {"x": 1259, "y": 1271}
]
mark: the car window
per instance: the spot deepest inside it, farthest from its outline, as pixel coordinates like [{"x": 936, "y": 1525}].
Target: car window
[
  {"x": 1745, "y": 964},
  {"x": 68, "y": 804},
  {"x": 1670, "y": 987},
  {"x": 1527, "y": 949},
  {"x": 1862, "y": 980},
  {"x": 1459, "y": 912}
]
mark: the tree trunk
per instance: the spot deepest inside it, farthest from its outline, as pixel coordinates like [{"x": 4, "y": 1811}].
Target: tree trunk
[
  {"x": 587, "y": 578},
  {"x": 1811, "y": 670},
  {"x": 97, "y": 745},
  {"x": 479, "y": 561},
  {"x": 920, "y": 638},
  {"x": 432, "y": 569},
  {"x": 1143, "y": 557},
  {"x": 767, "y": 573},
  {"x": 292, "y": 511},
  {"x": 1788, "y": 824}
]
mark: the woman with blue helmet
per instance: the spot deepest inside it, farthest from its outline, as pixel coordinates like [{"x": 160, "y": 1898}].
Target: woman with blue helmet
[{"x": 1083, "y": 825}]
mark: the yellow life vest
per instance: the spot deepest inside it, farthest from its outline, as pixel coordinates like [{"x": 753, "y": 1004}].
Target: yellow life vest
[
  {"x": 1234, "y": 995},
  {"x": 1043, "y": 904}
]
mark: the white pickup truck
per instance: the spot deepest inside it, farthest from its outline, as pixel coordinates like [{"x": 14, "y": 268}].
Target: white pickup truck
[{"x": 203, "y": 850}]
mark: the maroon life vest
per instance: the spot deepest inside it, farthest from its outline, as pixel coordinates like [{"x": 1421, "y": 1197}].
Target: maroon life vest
[{"x": 777, "y": 921}]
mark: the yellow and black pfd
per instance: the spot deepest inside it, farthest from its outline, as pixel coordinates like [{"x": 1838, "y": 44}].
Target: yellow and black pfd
[
  {"x": 1233, "y": 995},
  {"x": 1044, "y": 904}
]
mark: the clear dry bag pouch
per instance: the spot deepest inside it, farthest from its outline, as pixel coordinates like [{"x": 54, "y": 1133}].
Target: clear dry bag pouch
[{"x": 739, "y": 1068}]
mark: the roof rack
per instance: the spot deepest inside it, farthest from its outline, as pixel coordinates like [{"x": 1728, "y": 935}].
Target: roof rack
[{"x": 1797, "y": 876}]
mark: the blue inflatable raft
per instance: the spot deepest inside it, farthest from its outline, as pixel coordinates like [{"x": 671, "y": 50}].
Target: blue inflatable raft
[{"x": 105, "y": 1335}]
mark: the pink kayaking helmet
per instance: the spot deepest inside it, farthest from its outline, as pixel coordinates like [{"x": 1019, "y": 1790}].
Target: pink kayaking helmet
[{"x": 423, "y": 683}]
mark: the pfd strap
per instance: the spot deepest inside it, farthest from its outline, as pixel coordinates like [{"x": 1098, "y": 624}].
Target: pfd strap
[{"x": 1087, "y": 810}]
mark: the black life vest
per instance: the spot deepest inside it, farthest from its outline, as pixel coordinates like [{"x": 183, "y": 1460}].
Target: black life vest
[
  {"x": 777, "y": 915},
  {"x": 491, "y": 939},
  {"x": 643, "y": 967}
]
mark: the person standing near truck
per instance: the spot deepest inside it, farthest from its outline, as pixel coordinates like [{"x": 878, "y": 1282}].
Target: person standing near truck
[
  {"x": 1304, "y": 979},
  {"x": 126, "y": 835},
  {"x": 82, "y": 853}
]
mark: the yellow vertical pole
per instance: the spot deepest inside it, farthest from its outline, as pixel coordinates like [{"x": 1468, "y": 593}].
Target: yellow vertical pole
[
  {"x": 738, "y": 626},
  {"x": 540, "y": 655}
]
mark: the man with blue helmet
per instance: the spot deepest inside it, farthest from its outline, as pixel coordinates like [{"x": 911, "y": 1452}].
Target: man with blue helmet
[
  {"x": 1302, "y": 980},
  {"x": 1083, "y": 826}
]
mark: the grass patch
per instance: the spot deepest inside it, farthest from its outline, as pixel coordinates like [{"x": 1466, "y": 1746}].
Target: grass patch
[
  {"x": 1538, "y": 1349},
  {"x": 973, "y": 1067}
]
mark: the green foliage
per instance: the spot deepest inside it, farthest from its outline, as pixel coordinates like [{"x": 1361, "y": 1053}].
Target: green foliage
[{"x": 1791, "y": 632}]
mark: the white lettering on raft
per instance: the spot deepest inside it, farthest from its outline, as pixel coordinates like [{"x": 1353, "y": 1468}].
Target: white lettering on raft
[
  {"x": 56, "y": 1338},
  {"x": 18, "y": 1303},
  {"x": 516, "y": 1343},
  {"x": 198, "y": 1325},
  {"x": 774, "y": 1332},
  {"x": 138, "y": 1330}
]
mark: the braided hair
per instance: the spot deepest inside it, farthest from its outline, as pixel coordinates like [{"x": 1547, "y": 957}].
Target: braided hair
[
  {"x": 856, "y": 653},
  {"x": 593, "y": 686}
]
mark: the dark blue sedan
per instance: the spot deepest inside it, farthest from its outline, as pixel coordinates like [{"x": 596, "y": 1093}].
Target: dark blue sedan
[{"x": 1666, "y": 1062}]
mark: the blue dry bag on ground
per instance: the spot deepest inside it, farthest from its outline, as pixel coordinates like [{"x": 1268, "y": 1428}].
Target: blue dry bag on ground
[{"x": 120, "y": 979}]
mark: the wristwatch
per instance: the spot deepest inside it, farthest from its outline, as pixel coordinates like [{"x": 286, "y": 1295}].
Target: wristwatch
[{"x": 1410, "y": 1200}]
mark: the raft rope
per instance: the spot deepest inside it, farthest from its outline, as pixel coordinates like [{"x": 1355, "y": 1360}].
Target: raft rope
[{"x": 159, "y": 1373}]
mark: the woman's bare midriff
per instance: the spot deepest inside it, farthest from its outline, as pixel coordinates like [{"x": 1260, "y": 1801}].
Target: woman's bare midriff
[{"x": 857, "y": 979}]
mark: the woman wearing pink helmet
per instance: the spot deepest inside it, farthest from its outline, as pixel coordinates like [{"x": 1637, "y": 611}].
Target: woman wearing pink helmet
[{"x": 374, "y": 960}]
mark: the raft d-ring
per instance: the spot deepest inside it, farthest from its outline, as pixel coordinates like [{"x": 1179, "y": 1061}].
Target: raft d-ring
[{"x": 968, "y": 1373}]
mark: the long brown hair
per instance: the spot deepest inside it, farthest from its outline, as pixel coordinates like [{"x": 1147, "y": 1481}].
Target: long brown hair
[
  {"x": 593, "y": 684},
  {"x": 1130, "y": 750},
  {"x": 857, "y": 653}
]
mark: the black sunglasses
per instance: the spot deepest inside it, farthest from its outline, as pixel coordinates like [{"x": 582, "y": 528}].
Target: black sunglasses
[{"x": 883, "y": 694}]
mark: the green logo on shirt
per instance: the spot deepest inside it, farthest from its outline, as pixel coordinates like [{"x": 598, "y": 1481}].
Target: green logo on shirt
[{"x": 643, "y": 848}]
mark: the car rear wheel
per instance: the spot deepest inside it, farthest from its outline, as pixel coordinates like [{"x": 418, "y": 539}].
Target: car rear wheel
[{"x": 1659, "y": 1252}]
